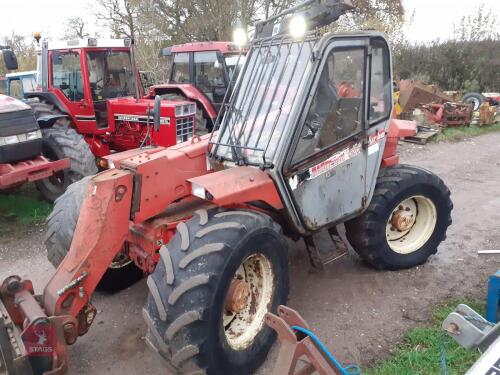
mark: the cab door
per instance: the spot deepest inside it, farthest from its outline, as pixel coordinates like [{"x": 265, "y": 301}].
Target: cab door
[
  {"x": 67, "y": 82},
  {"x": 327, "y": 169}
]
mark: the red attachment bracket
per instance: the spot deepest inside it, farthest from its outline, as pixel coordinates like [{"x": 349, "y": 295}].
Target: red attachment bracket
[
  {"x": 294, "y": 346},
  {"x": 30, "y": 170}
]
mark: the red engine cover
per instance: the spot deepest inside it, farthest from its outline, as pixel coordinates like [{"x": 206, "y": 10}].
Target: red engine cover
[{"x": 128, "y": 121}]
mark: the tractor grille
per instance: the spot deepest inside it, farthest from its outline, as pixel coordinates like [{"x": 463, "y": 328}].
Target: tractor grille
[{"x": 185, "y": 129}]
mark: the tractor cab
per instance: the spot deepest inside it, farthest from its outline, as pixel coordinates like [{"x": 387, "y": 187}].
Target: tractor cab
[
  {"x": 20, "y": 82},
  {"x": 84, "y": 74},
  {"x": 97, "y": 84},
  {"x": 202, "y": 72}
]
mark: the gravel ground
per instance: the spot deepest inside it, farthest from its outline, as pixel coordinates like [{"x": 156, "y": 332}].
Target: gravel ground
[{"x": 358, "y": 312}]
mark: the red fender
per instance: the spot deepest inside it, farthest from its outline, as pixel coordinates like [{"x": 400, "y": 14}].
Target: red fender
[
  {"x": 397, "y": 129},
  {"x": 191, "y": 92}
]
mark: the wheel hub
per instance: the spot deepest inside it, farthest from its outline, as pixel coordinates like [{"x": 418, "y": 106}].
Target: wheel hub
[
  {"x": 411, "y": 224},
  {"x": 237, "y": 296},
  {"x": 403, "y": 220},
  {"x": 248, "y": 299}
]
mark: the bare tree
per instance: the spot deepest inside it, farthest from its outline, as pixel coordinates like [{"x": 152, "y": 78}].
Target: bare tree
[
  {"x": 119, "y": 16},
  {"x": 481, "y": 25},
  {"x": 75, "y": 28}
]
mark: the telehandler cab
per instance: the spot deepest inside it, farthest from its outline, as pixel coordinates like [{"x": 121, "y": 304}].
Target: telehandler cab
[{"x": 307, "y": 143}]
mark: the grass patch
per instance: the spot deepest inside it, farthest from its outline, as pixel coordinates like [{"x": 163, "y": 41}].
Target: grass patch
[
  {"x": 420, "y": 351},
  {"x": 25, "y": 206},
  {"x": 461, "y": 132}
]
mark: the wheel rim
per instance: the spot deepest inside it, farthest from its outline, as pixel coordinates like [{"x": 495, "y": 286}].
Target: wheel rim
[
  {"x": 475, "y": 103},
  {"x": 248, "y": 300},
  {"x": 411, "y": 224}
]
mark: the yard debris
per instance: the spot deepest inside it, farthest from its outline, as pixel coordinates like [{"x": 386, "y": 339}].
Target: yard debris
[
  {"x": 414, "y": 93},
  {"x": 487, "y": 114},
  {"x": 448, "y": 114}
]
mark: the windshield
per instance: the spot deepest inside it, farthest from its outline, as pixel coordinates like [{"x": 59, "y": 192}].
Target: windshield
[
  {"x": 265, "y": 96},
  {"x": 180, "y": 68},
  {"x": 111, "y": 74}
]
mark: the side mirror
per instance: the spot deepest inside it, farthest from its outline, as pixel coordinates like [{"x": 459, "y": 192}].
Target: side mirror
[
  {"x": 9, "y": 57},
  {"x": 156, "y": 113}
]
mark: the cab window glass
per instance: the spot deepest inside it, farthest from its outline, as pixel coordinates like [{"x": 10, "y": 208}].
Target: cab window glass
[
  {"x": 180, "y": 68},
  {"x": 380, "y": 83},
  {"x": 29, "y": 84},
  {"x": 15, "y": 88},
  {"x": 67, "y": 74},
  {"x": 209, "y": 74},
  {"x": 336, "y": 110}
]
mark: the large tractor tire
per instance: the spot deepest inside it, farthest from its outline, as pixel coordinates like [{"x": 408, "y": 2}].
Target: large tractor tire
[
  {"x": 475, "y": 99},
  {"x": 406, "y": 220},
  {"x": 208, "y": 295},
  {"x": 61, "y": 225},
  {"x": 59, "y": 142}
]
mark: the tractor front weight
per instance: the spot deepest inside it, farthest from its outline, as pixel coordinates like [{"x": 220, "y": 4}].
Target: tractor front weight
[{"x": 34, "y": 330}]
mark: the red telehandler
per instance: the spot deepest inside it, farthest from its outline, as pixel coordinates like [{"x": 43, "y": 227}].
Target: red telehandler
[{"x": 307, "y": 143}]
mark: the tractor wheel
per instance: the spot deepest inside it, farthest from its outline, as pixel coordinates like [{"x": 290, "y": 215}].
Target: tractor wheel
[
  {"x": 474, "y": 98},
  {"x": 61, "y": 225},
  {"x": 59, "y": 142},
  {"x": 406, "y": 220},
  {"x": 221, "y": 273}
]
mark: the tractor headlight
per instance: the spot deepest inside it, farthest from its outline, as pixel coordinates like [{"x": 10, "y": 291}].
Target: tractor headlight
[
  {"x": 37, "y": 134},
  {"x": 298, "y": 27},
  {"x": 239, "y": 37},
  {"x": 198, "y": 191},
  {"x": 11, "y": 140}
]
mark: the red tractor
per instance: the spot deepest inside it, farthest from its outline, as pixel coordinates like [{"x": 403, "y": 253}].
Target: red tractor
[
  {"x": 94, "y": 87},
  {"x": 21, "y": 158},
  {"x": 307, "y": 143},
  {"x": 201, "y": 72}
]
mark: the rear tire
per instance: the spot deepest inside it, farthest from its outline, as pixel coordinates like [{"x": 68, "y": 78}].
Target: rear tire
[
  {"x": 59, "y": 142},
  {"x": 61, "y": 225},
  {"x": 186, "y": 311},
  {"x": 411, "y": 191},
  {"x": 474, "y": 98}
]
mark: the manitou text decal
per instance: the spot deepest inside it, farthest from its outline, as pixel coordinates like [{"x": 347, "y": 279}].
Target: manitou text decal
[
  {"x": 376, "y": 137},
  {"x": 335, "y": 160}
]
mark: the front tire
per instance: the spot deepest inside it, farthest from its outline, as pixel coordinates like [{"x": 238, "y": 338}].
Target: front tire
[
  {"x": 406, "y": 220},
  {"x": 192, "y": 322},
  {"x": 59, "y": 142},
  {"x": 61, "y": 225}
]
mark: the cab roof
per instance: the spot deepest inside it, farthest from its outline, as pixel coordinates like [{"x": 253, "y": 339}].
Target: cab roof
[
  {"x": 224, "y": 47},
  {"x": 21, "y": 74},
  {"x": 88, "y": 43}
]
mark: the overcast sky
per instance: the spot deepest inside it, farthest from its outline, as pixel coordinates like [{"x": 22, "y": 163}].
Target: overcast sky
[{"x": 433, "y": 18}]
